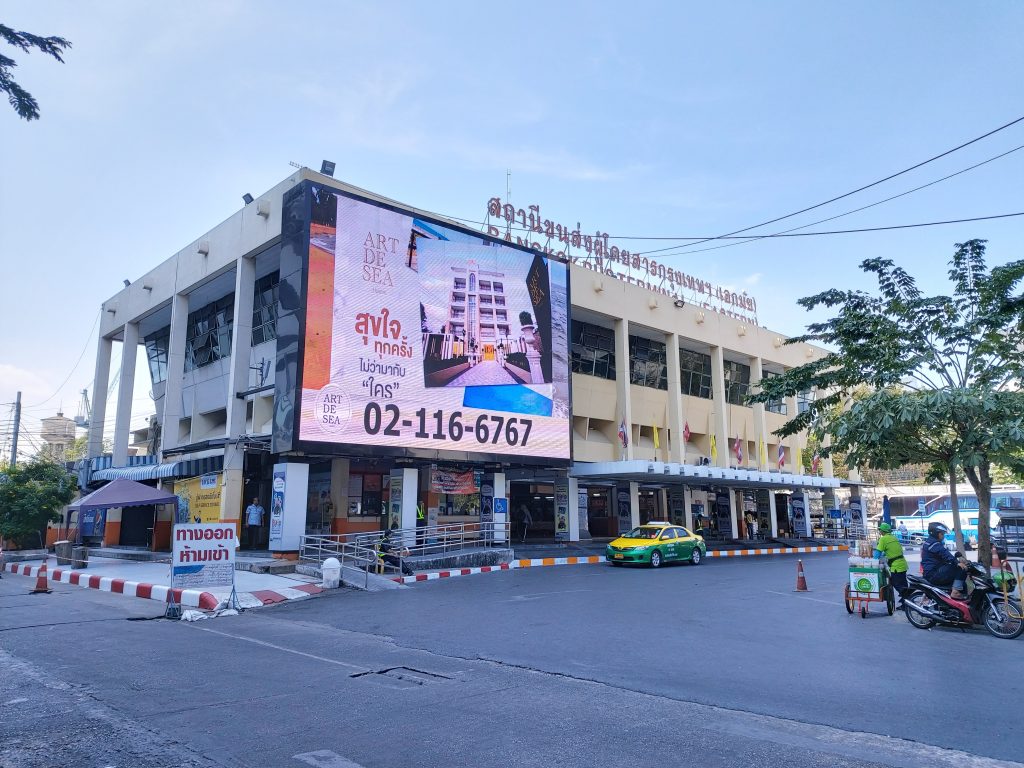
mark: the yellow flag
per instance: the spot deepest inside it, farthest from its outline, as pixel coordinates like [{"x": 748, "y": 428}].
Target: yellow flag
[
  {"x": 764, "y": 455},
  {"x": 799, "y": 459},
  {"x": 714, "y": 449},
  {"x": 657, "y": 442}
]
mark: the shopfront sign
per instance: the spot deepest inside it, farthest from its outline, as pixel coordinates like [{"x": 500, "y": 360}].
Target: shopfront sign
[
  {"x": 199, "y": 499},
  {"x": 459, "y": 482},
  {"x": 203, "y": 555},
  {"x": 419, "y": 336},
  {"x": 277, "y": 506},
  {"x": 526, "y": 227}
]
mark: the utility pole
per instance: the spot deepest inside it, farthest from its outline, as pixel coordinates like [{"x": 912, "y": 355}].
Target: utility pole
[{"x": 17, "y": 423}]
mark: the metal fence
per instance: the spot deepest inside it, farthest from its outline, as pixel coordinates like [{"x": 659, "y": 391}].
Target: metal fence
[{"x": 362, "y": 551}]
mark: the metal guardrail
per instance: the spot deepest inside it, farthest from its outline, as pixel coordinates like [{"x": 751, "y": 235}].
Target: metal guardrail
[{"x": 362, "y": 550}]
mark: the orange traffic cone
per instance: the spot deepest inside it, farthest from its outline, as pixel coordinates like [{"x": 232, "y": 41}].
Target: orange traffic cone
[
  {"x": 801, "y": 582},
  {"x": 42, "y": 586}
]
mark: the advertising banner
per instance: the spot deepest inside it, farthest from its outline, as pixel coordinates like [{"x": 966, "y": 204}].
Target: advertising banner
[
  {"x": 420, "y": 336},
  {"x": 561, "y": 510},
  {"x": 454, "y": 481},
  {"x": 203, "y": 555},
  {"x": 277, "y": 507},
  {"x": 801, "y": 520},
  {"x": 625, "y": 518},
  {"x": 198, "y": 499},
  {"x": 397, "y": 487}
]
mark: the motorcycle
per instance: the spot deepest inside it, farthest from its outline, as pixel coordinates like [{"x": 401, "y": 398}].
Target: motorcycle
[{"x": 926, "y": 605}]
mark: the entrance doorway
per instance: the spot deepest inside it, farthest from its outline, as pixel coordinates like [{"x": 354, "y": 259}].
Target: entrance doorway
[
  {"x": 539, "y": 501},
  {"x": 137, "y": 526}
]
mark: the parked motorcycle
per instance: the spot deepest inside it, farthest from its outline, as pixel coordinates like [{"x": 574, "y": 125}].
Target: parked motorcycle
[{"x": 927, "y": 605}]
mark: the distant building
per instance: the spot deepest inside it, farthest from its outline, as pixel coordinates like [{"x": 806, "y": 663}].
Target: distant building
[{"x": 57, "y": 433}]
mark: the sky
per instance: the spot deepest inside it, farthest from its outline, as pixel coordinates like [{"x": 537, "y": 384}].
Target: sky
[{"x": 681, "y": 119}]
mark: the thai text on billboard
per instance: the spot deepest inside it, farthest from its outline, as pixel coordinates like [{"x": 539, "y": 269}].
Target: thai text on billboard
[{"x": 424, "y": 337}]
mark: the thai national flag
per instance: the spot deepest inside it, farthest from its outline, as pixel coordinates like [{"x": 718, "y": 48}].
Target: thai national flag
[
  {"x": 782, "y": 455},
  {"x": 739, "y": 450},
  {"x": 623, "y": 435}
]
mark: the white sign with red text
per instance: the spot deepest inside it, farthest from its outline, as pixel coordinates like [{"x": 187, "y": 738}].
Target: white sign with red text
[{"x": 203, "y": 555}]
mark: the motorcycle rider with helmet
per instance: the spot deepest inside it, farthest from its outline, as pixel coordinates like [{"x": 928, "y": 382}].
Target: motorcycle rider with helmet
[{"x": 941, "y": 567}]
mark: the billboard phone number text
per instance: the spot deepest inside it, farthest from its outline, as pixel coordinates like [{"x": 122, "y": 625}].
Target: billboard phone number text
[{"x": 487, "y": 428}]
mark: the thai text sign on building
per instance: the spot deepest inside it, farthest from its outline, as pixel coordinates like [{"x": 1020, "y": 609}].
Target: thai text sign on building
[{"x": 203, "y": 555}]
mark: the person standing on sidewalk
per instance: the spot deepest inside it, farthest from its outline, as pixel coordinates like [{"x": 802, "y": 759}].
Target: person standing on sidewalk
[{"x": 254, "y": 522}]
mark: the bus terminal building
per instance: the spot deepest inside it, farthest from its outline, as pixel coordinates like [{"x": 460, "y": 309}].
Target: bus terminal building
[{"x": 355, "y": 363}]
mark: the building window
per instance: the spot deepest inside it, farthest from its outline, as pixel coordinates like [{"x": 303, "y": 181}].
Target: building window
[
  {"x": 737, "y": 382},
  {"x": 647, "y": 363},
  {"x": 695, "y": 374},
  {"x": 593, "y": 350},
  {"x": 774, "y": 406},
  {"x": 156, "y": 352},
  {"x": 803, "y": 401},
  {"x": 264, "y": 309},
  {"x": 208, "y": 338}
]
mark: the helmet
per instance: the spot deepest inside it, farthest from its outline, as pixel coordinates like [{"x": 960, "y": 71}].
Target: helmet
[
  {"x": 884, "y": 527},
  {"x": 934, "y": 529}
]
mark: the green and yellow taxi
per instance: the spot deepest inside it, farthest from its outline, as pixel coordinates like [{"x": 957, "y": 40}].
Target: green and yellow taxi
[{"x": 656, "y": 543}]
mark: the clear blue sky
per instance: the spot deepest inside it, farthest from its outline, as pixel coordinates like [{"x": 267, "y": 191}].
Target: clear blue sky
[{"x": 638, "y": 118}]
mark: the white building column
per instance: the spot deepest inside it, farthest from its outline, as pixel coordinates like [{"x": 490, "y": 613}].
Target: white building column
[
  {"x": 101, "y": 381},
  {"x": 688, "y": 507},
  {"x": 125, "y": 394},
  {"x": 760, "y": 426},
  {"x": 238, "y": 381},
  {"x": 677, "y": 447},
  {"x": 404, "y": 495},
  {"x": 170, "y": 419},
  {"x": 796, "y": 466},
  {"x": 623, "y": 410},
  {"x": 634, "y": 505},
  {"x": 720, "y": 414},
  {"x": 773, "y": 518},
  {"x": 733, "y": 522},
  {"x": 572, "y": 487}
]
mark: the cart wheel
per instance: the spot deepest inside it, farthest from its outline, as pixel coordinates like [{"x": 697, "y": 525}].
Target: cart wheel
[
  {"x": 890, "y": 600},
  {"x": 848, "y": 599},
  {"x": 863, "y": 611}
]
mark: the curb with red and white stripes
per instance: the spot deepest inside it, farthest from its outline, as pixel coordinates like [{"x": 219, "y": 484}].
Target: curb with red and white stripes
[
  {"x": 189, "y": 598},
  {"x": 595, "y": 559}
]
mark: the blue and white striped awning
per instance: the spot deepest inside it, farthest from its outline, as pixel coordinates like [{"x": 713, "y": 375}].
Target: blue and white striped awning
[{"x": 144, "y": 472}]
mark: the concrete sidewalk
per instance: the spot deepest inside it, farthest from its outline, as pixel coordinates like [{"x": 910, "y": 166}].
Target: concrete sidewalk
[{"x": 152, "y": 581}]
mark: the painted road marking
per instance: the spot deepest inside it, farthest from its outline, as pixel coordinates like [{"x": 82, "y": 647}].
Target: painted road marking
[
  {"x": 539, "y": 595},
  {"x": 804, "y": 597},
  {"x": 324, "y": 758},
  {"x": 281, "y": 648}
]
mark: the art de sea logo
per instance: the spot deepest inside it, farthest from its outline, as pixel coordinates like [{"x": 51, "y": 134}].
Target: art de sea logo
[{"x": 332, "y": 409}]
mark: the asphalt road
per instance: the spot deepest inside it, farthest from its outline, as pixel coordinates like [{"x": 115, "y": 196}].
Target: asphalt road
[{"x": 578, "y": 666}]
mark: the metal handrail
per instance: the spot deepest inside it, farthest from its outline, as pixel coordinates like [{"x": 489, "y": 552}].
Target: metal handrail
[{"x": 422, "y": 540}]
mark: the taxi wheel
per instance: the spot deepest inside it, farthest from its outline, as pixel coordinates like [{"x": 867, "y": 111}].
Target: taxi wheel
[
  {"x": 655, "y": 559},
  {"x": 696, "y": 557}
]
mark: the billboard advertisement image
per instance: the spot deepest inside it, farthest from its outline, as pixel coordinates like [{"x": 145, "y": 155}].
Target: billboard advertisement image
[{"x": 424, "y": 337}]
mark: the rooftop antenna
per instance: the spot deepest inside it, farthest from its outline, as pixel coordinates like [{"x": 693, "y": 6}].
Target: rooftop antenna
[{"x": 293, "y": 164}]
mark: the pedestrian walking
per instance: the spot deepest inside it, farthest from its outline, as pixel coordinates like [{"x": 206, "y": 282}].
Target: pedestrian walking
[
  {"x": 525, "y": 519},
  {"x": 254, "y": 523}
]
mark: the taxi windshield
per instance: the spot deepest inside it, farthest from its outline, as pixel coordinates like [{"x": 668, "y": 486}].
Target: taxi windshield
[{"x": 643, "y": 533}]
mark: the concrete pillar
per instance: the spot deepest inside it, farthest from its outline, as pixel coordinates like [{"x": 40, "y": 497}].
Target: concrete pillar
[
  {"x": 567, "y": 494},
  {"x": 677, "y": 449},
  {"x": 101, "y": 382},
  {"x": 794, "y": 465},
  {"x": 773, "y": 517},
  {"x": 238, "y": 381},
  {"x": 634, "y": 505},
  {"x": 125, "y": 394},
  {"x": 404, "y": 495},
  {"x": 624, "y": 411},
  {"x": 801, "y": 514},
  {"x": 760, "y": 426},
  {"x": 288, "y": 506},
  {"x": 688, "y": 507},
  {"x": 172, "y": 412},
  {"x": 735, "y": 511},
  {"x": 720, "y": 412}
]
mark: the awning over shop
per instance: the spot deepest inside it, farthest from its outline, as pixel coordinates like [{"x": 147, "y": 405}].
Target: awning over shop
[
  {"x": 123, "y": 493},
  {"x": 145, "y": 472},
  {"x": 671, "y": 473}
]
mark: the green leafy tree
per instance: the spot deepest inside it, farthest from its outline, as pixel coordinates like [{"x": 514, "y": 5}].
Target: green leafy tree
[
  {"x": 31, "y": 495},
  {"x": 24, "y": 103},
  {"x": 943, "y": 375}
]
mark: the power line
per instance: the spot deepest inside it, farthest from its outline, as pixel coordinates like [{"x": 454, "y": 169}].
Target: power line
[
  {"x": 858, "y": 189},
  {"x": 753, "y": 239},
  {"x": 77, "y": 363}
]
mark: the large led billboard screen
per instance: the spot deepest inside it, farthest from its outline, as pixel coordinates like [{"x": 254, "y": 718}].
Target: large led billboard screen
[{"x": 423, "y": 337}]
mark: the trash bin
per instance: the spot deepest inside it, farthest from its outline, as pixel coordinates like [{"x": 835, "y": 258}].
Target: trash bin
[
  {"x": 331, "y": 572},
  {"x": 63, "y": 550},
  {"x": 80, "y": 557}
]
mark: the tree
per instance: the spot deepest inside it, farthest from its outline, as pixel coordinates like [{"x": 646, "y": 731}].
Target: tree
[
  {"x": 943, "y": 374},
  {"x": 31, "y": 495},
  {"x": 79, "y": 448},
  {"x": 24, "y": 103}
]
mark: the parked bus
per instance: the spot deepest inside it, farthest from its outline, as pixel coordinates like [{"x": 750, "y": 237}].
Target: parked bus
[{"x": 917, "y": 511}]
